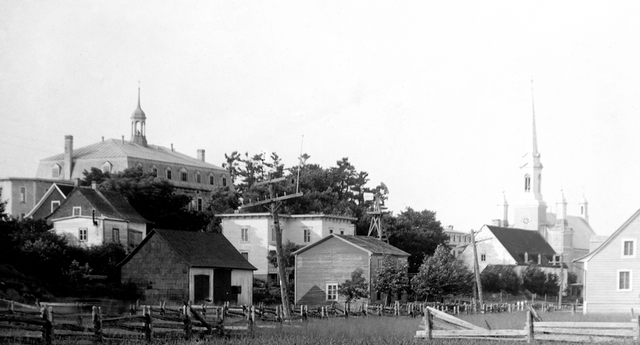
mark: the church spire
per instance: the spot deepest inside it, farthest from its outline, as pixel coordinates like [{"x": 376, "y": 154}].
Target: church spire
[
  {"x": 138, "y": 124},
  {"x": 534, "y": 141}
]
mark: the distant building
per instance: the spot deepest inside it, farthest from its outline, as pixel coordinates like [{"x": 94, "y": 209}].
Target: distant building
[
  {"x": 458, "y": 240},
  {"x": 252, "y": 234},
  {"x": 192, "y": 176},
  {"x": 171, "y": 265},
  {"x": 22, "y": 194},
  {"x": 323, "y": 265},
  {"x": 90, "y": 217},
  {"x": 611, "y": 273}
]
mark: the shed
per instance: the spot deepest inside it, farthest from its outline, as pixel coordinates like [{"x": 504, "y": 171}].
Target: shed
[
  {"x": 172, "y": 265},
  {"x": 320, "y": 267}
]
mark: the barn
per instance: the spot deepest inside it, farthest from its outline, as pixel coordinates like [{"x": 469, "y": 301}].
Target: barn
[
  {"x": 172, "y": 265},
  {"x": 321, "y": 266}
]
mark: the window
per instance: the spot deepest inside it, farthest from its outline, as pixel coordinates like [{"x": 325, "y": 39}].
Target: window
[
  {"x": 211, "y": 179},
  {"x": 154, "y": 171},
  {"x": 23, "y": 194},
  {"x": 168, "y": 174},
  {"x": 106, "y": 167},
  {"x": 183, "y": 176},
  {"x": 483, "y": 257},
  {"x": 245, "y": 255},
  {"x": 198, "y": 178},
  {"x": 341, "y": 232},
  {"x": 244, "y": 234},
  {"x": 629, "y": 248},
  {"x": 82, "y": 234},
  {"x": 527, "y": 183},
  {"x": 624, "y": 280},
  {"x": 54, "y": 205},
  {"x": 224, "y": 181},
  {"x": 307, "y": 236},
  {"x": 199, "y": 207},
  {"x": 330, "y": 231},
  {"x": 22, "y": 215},
  {"x": 115, "y": 235},
  {"x": 77, "y": 211},
  {"x": 332, "y": 292},
  {"x": 55, "y": 171}
]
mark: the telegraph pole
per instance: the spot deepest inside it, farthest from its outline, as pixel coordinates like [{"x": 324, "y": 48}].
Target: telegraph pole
[
  {"x": 561, "y": 281},
  {"x": 272, "y": 205},
  {"x": 476, "y": 267}
]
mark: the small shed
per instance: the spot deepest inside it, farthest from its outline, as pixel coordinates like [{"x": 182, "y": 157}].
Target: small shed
[
  {"x": 320, "y": 267},
  {"x": 172, "y": 265}
]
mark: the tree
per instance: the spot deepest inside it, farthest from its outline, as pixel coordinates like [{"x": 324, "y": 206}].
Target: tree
[
  {"x": 223, "y": 200},
  {"x": 496, "y": 278},
  {"x": 391, "y": 277},
  {"x": 442, "y": 274},
  {"x": 534, "y": 279},
  {"x": 95, "y": 175},
  {"x": 356, "y": 287},
  {"x": 417, "y": 233}
]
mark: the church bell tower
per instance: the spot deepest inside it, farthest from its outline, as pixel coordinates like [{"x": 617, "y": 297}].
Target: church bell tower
[{"x": 138, "y": 125}]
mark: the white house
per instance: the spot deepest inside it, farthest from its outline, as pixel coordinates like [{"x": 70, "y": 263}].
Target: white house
[
  {"x": 252, "y": 234},
  {"x": 611, "y": 273}
]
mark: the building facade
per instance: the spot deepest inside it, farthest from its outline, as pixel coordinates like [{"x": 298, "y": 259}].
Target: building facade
[
  {"x": 22, "y": 194},
  {"x": 252, "y": 234}
]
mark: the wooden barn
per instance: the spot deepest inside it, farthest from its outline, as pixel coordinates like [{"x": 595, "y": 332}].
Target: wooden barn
[
  {"x": 172, "y": 265},
  {"x": 321, "y": 266}
]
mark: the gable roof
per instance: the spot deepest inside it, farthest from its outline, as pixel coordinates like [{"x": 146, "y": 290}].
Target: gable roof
[
  {"x": 520, "y": 241},
  {"x": 110, "y": 204},
  {"x": 114, "y": 148},
  {"x": 581, "y": 229},
  {"x": 198, "y": 249},
  {"x": 372, "y": 245},
  {"x": 610, "y": 238},
  {"x": 63, "y": 189}
]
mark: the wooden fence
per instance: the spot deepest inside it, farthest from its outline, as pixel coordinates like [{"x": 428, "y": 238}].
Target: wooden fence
[{"x": 450, "y": 327}]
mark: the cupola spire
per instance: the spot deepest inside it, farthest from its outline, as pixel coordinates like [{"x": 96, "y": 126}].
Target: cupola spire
[{"x": 138, "y": 124}]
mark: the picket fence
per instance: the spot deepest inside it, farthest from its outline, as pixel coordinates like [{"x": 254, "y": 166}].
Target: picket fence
[{"x": 534, "y": 329}]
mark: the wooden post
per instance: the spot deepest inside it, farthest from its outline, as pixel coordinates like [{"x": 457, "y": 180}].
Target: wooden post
[
  {"x": 96, "y": 319},
  {"x": 638, "y": 328},
  {"x": 346, "y": 311},
  {"x": 148, "y": 323},
  {"x": 188, "y": 327},
  {"x": 476, "y": 267},
  {"x": 529, "y": 327},
  {"x": 46, "y": 312},
  {"x": 11, "y": 311},
  {"x": 427, "y": 324}
]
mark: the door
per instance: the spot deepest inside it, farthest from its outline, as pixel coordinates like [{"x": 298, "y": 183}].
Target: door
[
  {"x": 201, "y": 288},
  {"x": 222, "y": 286}
]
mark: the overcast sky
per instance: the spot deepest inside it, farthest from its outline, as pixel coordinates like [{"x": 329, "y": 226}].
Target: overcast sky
[{"x": 431, "y": 98}]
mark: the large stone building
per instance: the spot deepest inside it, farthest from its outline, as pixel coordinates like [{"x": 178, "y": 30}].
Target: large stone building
[
  {"x": 192, "y": 176},
  {"x": 568, "y": 235}
]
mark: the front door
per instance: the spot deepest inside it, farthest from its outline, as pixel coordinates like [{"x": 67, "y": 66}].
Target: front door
[
  {"x": 201, "y": 288},
  {"x": 222, "y": 286}
]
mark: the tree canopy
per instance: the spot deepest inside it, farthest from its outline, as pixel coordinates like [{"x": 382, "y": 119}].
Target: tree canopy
[
  {"x": 442, "y": 274},
  {"x": 391, "y": 277}
]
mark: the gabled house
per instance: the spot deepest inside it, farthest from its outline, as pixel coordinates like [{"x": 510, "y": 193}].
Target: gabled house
[
  {"x": 320, "y": 267},
  {"x": 515, "y": 247},
  {"x": 611, "y": 275},
  {"x": 252, "y": 234},
  {"x": 90, "y": 217},
  {"x": 22, "y": 194},
  {"x": 50, "y": 201},
  {"x": 172, "y": 265}
]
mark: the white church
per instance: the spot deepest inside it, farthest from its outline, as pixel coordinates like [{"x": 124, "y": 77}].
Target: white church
[{"x": 568, "y": 235}]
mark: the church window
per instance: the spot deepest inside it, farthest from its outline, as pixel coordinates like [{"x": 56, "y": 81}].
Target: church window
[
  {"x": 624, "y": 280},
  {"x": 168, "y": 174},
  {"x": 539, "y": 182},
  {"x": 629, "y": 248},
  {"x": 106, "y": 167},
  {"x": 55, "y": 171},
  {"x": 527, "y": 183},
  {"x": 483, "y": 257}
]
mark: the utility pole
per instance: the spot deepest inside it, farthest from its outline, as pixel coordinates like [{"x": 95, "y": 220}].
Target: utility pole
[
  {"x": 476, "y": 268},
  {"x": 561, "y": 281},
  {"x": 273, "y": 205}
]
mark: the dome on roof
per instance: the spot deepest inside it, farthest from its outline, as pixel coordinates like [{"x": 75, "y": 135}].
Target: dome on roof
[{"x": 138, "y": 113}]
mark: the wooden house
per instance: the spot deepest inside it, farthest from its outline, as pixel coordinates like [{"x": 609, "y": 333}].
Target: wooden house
[
  {"x": 90, "y": 217},
  {"x": 320, "y": 267},
  {"x": 172, "y": 265},
  {"x": 22, "y": 194},
  {"x": 51, "y": 200},
  {"x": 612, "y": 270},
  {"x": 252, "y": 234}
]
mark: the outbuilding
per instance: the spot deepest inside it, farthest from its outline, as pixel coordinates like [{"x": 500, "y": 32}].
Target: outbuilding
[{"x": 172, "y": 265}]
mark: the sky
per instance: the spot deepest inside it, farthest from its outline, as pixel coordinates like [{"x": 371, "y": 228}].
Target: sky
[{"x": 433, "y": 98}]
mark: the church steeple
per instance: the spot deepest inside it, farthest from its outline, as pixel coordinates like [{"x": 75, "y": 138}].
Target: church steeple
[{"x": 138, "y": 125}]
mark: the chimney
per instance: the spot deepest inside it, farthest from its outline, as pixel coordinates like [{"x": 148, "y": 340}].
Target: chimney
[
  {"x": 94, "y": 185},
  {"x": 68, "y": 156},
  {"x": 201, "y": 155},
  {"x": 171, "y": 147},
  {"x": 123, "y": 139},
  {"x": 103, "y": 138}
]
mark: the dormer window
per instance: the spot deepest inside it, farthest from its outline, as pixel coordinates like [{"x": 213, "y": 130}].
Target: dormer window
[
  {"x": 224, "y": 181},
  {"x": 168, "y": 173},
  {"x": 211, "y": 180},
  {"x": 184, "y": 176},
  {"x": 154, "y": 171},
  {"x": 198, "y": 177},
  {"x": 55, "y": 171},
  {"x": 106, "y": 167}
]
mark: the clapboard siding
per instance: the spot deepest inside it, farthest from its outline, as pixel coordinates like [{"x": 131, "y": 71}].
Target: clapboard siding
[
  {"x": 331, "y": 262},
  {"x": 601, "y": 285}
]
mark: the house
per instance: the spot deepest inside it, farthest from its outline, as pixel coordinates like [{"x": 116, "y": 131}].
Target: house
[
  {"x": 50, "y": 201},
  {"x": 192, "y": 176},
  {"x": 89, "y": 217},
  {"x": 252, "y": 234},
  {"x": 322, "y": 266},
  {"x": 171, "y": 265},
  {"x": 458, "y": 240},
  {"x": 515, "y": 247},
  {"x": 22, "y": 194},
  {"x": 611, "y": 275}
]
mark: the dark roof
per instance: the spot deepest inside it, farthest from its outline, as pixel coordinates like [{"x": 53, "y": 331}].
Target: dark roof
[
  {"x": 368, "y": 243},
  {"x": 112, "y": 205},
  {"x": 520, "y": 241},
  {"x": 65, "y": 189},
  {"x": 199, "y": 249}
]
